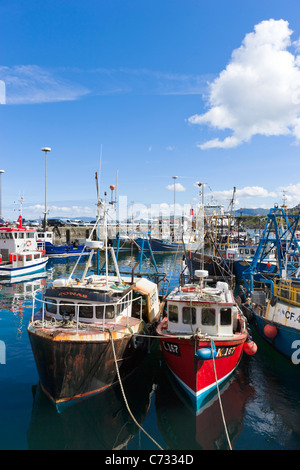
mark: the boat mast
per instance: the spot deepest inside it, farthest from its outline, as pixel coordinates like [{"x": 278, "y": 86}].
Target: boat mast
[{"x": 201, "y": 228}]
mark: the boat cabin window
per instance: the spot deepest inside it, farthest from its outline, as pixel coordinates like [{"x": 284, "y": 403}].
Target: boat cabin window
[
  {"x": 21, "y": 235},
  {"x": 120, "y": 307},
  {"x": 86, "y": 311},
  {"x": 208, "y": 316},
  {"x": 28, "y": 257},
  {"x": 173, "y": 313},
  {"x": 29, "y": 235},
  {"x": 189, "y": 315},
  {"x": 51, "y": 306},
  {"x": 37, "y": 255},
  {"x": 109, "y": 311},
  {"x": 210, "y": 319},
  {"x": 67, "y": 309},
  {"x": 225, "y": 316}
]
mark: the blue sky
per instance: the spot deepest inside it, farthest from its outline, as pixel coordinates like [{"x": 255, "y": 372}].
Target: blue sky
[{"x": 206, "y": 91}]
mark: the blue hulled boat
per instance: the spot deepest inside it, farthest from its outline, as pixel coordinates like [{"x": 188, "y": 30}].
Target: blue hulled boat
[
  {"x": 157, "y": 245},
  {"x": 273, "y": 303}
]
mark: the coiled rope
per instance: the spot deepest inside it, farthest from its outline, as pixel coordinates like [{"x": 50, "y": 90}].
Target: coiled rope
[
  {"x": 124, "y": 396},
  {"x": 219, "y": 396}
]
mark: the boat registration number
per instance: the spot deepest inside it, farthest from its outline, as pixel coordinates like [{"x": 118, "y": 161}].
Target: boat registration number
[
  {"x": 172, "y": 348},
  {"x": 224, "y": 352},
  {"x": 200, "y": 304}
]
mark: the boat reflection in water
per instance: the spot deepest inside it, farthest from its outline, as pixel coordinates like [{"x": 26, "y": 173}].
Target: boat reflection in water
[
  {"x": 183, "y": 427},
  {"x": 101, "y": 422},
  {"x": 16, "y": 295}
]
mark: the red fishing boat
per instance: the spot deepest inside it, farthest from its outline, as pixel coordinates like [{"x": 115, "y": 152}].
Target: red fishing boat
[{"x": 203, "y": 336}]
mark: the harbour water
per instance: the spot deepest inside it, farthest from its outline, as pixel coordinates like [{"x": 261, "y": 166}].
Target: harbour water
[{"x": 261, "y": 401}]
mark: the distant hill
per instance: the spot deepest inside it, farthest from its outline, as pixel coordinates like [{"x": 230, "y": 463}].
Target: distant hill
[{"x": 258, "y": 211}]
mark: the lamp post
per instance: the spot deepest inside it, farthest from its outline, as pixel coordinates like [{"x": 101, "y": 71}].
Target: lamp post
[
  {"x": 46, "y": 150},
  {"x": 174, "y": 178},
  {"x": 1, "y": 171}
]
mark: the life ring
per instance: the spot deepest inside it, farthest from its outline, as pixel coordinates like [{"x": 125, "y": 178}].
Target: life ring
[
  {"x": 28, "y": 243},
  {"x": 230, "y": 255},
  {"x": 189, "y": 289}
]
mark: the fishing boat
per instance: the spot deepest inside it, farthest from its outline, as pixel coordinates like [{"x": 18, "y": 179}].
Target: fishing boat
[
  {"x": 102, "y": 422},
  {"x": 63, "y": 250},
  {"x": 275, "y": 313},
  {"x": 272, "y": 302},
  {"x": 20, "y": 254},
  {"x": 204, "y": 429},
  {"x": 159, "y": 245},
  {"x": 92, "y": 331},
  {"x": 242, "y": 257},
  {"x": 203, "y": 336}
]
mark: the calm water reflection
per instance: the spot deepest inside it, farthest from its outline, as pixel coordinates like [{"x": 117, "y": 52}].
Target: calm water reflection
[{"x": 261, "y": 401}]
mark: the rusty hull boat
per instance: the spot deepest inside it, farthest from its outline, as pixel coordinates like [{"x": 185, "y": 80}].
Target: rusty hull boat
[{"x": 91, "y": 332}]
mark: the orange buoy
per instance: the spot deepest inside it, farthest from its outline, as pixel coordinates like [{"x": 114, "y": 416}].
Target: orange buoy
[
  {"x": 270, "y": 331},
  {"x": 250, "y": 347}
]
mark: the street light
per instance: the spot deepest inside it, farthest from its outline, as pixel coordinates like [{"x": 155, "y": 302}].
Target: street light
[
  {"x": 1, "y": 171},
  {"x": 46, "y": 150},
  {"x": 174, "y": 178}
]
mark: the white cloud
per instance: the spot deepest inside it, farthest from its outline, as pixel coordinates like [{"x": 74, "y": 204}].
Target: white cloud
[
  {"x": 30, "y": 84},
  {"x": 2, "y": 92},
  {"x": 255, "y": 191},
  {"x": 259, "y": 90},
  {"x": 178, "y": 187},
  {"x": 249, "y": 196},
  {"x": 57, "y": 210},
  {"x": 246, "y": 192},
  {"x": 291, "y": 193}
]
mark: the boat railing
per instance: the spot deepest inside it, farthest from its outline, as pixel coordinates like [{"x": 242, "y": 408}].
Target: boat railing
[
  {"x": 125, "y": 303},
  {"x": 287, "y": 290}
]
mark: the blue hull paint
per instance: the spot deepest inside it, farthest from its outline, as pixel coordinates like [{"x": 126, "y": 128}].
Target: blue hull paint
[
  {"x": 64, "y": 250},
  {"x": 284, "y": 339},
  {"x": 158, "y": 245},
  {"x": 22, "y": 271},
  {"x": 240, "y": 266},
  {"x": 199, "y": 400}
]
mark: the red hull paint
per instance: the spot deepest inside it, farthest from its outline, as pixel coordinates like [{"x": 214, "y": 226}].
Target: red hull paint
[{"x": 199, "y": 375}]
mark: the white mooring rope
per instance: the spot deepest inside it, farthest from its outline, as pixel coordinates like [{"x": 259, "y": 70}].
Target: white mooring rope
[
  {"x": 124, "y": 396},
  {"x": 219, "y": 396}
]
